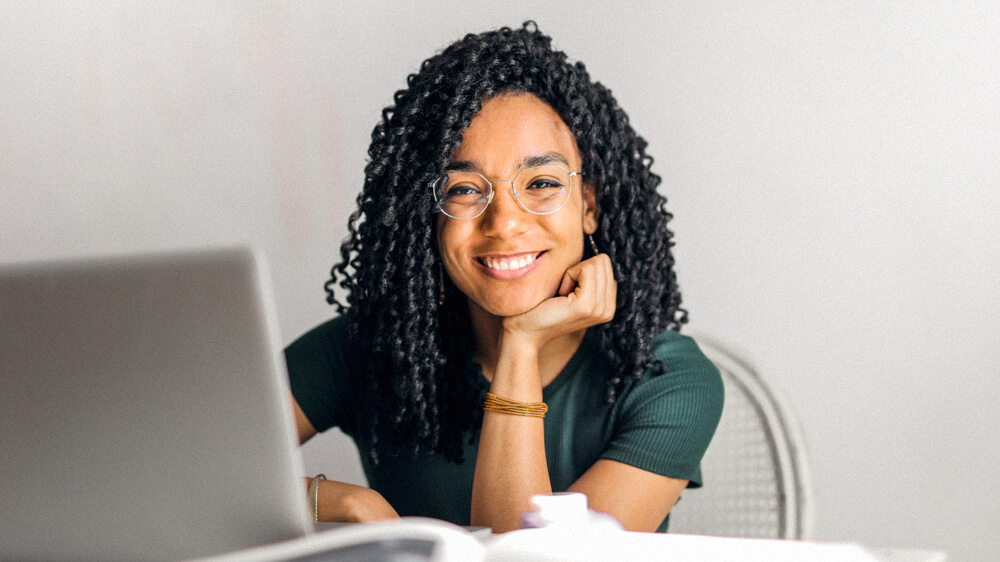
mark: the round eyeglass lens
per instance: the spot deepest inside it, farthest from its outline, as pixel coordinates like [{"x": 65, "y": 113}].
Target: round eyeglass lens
[
  {"x": 462, "y": 195},
  {"x": 543, "y": 189}
]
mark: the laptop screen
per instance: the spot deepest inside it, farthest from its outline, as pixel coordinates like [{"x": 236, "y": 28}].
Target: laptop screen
[{"x": 145, "y": 410}]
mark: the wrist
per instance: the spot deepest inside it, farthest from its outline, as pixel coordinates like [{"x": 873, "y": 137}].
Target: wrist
[
  {"x": 353, "y": 504},
  {"x": 524, "y": 346},
  {"x": 517, "y": 375}
]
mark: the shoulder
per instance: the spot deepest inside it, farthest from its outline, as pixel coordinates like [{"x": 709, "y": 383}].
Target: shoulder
[
  {"x": 323, "y": 336},
  {"x": 318, "y": 367},
  {"x": 689, "y": 382},
  {"x": 664, "y": 422},
  {"x": 679, "y": 351},
  {"x": 320, "y": 352},
  {"x": 683, "y": 362}
]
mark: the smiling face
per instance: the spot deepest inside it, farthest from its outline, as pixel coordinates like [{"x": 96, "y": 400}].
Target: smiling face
[{"x": 507, "y": 260}]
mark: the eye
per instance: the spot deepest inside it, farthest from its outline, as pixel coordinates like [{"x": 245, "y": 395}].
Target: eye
[
  {"x": 544, "y": 183},
  {"x": 462, "y": 190}
]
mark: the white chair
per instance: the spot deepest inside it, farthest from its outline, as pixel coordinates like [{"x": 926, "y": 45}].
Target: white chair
[{"x": 756, "y": 475}]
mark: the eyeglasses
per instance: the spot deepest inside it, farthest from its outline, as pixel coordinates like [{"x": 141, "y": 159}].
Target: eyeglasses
[{"x": 540, "y": 190}]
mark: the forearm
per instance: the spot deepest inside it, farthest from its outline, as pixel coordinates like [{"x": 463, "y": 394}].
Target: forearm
[
  {"x": 342, "y": 502},
  {"x": 510, "y": 465}
]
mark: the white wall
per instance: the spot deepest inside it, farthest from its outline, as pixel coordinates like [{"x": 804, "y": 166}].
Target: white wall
[{"x": 833, "y": 170}]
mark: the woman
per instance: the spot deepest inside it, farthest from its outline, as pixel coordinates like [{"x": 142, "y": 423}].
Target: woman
[{"x": 509, "y": 250}]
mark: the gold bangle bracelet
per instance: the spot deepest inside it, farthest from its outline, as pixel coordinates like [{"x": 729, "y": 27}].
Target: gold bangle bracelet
[
  {"x": 314, "y": 495},
  {"x": 531, "y": 409}
]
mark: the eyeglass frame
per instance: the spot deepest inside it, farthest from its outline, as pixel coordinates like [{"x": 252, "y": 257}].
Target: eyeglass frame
[{"x": 489, "y": 198}]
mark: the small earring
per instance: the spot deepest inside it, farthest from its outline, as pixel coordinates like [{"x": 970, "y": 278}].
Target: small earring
[
  {"x": 593, "y": 245},
  {"x": 440, "y": 285}
]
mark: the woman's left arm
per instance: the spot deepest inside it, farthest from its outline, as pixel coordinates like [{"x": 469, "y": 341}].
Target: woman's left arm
[
  {"x": 638, "y": 498},
  {"x": 510, "y": 463}
]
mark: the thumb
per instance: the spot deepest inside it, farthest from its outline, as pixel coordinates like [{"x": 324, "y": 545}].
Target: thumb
[{"x": 570, "y": 280}]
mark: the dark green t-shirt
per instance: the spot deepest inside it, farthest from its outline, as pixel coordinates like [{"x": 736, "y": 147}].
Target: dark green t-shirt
[{"x": 662, "y": 423}]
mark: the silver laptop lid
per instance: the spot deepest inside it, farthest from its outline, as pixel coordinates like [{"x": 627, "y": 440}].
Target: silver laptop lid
[{"x": 144, "y": 410}]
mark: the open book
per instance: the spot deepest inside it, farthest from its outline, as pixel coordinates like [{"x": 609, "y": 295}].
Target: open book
[{"x": 416, "y": 539}]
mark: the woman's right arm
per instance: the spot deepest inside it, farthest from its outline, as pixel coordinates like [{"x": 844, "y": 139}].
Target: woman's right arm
[
  {"x": 305, "y": 427},
  {"x": 339, "y": 501}
]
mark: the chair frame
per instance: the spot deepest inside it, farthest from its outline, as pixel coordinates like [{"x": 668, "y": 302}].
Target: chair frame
[{"x": 794, "y": 476}]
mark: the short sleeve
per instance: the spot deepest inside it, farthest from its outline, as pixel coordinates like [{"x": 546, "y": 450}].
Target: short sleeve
[
  {"x": 665, "y": 422},
  {"x": 318, "y": 375}
]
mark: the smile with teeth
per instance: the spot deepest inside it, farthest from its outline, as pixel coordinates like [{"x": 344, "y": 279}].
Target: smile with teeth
[{"x": 507, "y": 264}]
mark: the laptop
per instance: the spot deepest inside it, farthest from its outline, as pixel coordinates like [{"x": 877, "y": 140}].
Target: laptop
[
  {"x": 145, "y": 415},
  {"x": 144, "y": 411}
]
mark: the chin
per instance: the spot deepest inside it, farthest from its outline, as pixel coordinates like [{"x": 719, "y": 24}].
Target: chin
[
  {"x": 511, "y": 307},
  {"x": 507, "y": 311}
]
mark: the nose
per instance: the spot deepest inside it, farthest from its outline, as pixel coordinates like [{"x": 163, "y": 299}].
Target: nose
[{"x": 504, "y": 218}]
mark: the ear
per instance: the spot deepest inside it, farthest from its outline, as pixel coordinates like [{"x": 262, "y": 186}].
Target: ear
[{"x": 590, "y": 211}]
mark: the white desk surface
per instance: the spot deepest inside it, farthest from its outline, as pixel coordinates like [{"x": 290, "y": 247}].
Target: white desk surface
[
  {"x": 576, "y": 544},
  {"x": 550, "y": 544}
]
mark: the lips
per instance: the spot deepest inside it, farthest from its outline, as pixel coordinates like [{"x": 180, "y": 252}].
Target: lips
[
  {"x": 506, "y": 263},
  {"x": 508, "y": 266}
]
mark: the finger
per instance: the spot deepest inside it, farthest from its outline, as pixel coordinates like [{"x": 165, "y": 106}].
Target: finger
[
  {"x": 591, "y": 282},
  {"x": 567, "y": 285},
  {"x": 589, "y": 289},
  {"x": 612, "y": 290},
  {"x": 595, "y": 282},
  {"x": 570, "y": 280},
  {"x": 606, "y": 291},
  {"x": 604, "y": 304}
]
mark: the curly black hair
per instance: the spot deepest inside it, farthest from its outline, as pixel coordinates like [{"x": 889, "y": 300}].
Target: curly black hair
[{"x": 416, "y": 353}]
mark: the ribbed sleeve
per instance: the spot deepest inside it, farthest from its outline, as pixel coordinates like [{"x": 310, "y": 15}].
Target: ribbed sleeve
[{"x": 664, "y": 423}]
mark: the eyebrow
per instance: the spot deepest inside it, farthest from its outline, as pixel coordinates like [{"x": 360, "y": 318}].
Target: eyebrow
[{"x": 527, "y": 162}]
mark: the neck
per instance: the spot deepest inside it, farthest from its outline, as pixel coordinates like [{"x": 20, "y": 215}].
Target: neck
[{"x": 488, "y": 332}]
